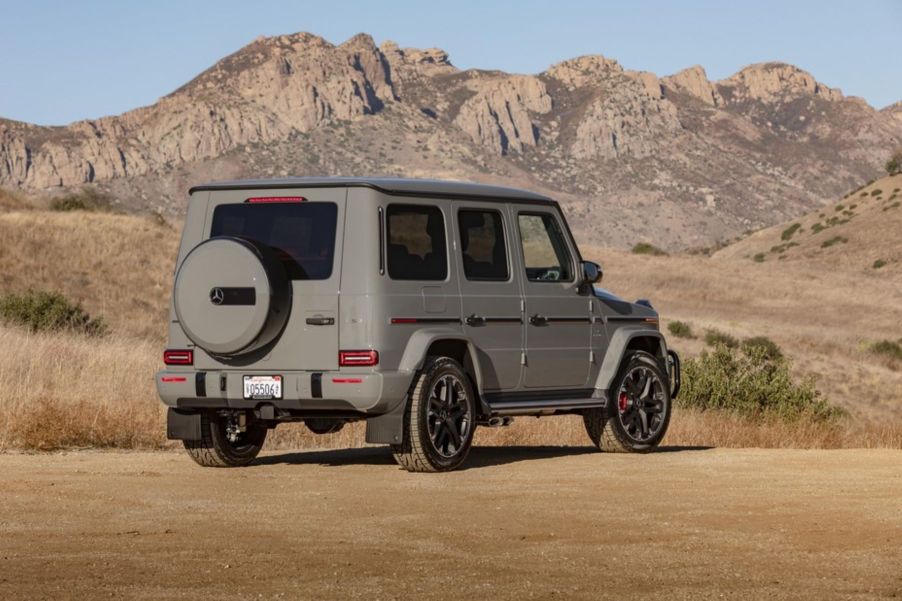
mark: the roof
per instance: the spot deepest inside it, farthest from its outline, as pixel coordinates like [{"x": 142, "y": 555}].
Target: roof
[{"x": 389, "y": 185}]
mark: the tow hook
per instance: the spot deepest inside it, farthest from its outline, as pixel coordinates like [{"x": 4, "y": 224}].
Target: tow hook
[{"x": 236, "y": 424}]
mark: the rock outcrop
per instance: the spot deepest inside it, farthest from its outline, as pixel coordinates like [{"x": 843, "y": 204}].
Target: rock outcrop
[
  {"x": 499, "y": 115},
  {"x": 694, "y": 82},
  {"x": 770, "y": 82}
]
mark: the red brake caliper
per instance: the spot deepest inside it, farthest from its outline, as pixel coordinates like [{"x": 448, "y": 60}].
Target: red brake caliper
[{"x": 622, "y": 401}]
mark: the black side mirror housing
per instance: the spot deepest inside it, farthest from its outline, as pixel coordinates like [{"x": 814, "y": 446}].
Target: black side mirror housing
[{"x": 592, "y": 273}]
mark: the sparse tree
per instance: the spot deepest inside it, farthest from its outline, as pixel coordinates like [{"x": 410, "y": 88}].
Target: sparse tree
[{"x": 894, "y": 164}]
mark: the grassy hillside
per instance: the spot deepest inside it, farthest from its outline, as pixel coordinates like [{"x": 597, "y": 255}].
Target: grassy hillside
[
  {"x": 68, "y": 390},
  {"x": 859, "y": 232}
]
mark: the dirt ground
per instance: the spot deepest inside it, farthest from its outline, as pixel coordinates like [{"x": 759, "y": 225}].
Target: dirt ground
[{"x": 518, "y": 523}]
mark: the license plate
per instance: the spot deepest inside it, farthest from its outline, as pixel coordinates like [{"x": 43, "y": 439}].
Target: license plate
[{"x": 263, "y": 387}]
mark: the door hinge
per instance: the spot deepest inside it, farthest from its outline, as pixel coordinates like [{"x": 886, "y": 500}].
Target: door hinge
[
  {"x": 522, "y": 358},
  {"x": 591, "y": 356}
]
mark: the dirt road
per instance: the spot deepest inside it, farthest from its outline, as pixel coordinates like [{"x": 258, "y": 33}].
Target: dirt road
[{"x": 522, "y": 523}]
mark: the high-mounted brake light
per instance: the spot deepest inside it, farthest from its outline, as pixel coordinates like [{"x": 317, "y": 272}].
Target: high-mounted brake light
[
  {"x": 265, "y": 199},
  {"x": 352, "y": 358},
  {"x": 178, "y": 357}
]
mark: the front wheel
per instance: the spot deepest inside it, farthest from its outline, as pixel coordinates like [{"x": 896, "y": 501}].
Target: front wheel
[
  {"x": 439, "y": 420},
  {"x": 217, "y": 449},
  {"x": 640, "y": 411}
]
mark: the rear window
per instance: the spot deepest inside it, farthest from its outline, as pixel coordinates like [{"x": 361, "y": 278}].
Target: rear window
[
  {"x": 302, "y": 234},
  {"x": 417, "y": 249}
]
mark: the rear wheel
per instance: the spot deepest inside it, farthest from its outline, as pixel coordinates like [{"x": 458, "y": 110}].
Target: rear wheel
[
  {"x": 439, "y": 420},
  {"x": 641, "y": 408},
  {"x": 217, "y": 448}
]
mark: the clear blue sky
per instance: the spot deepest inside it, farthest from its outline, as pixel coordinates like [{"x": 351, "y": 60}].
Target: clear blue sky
[{"x": 69, "y": 60}]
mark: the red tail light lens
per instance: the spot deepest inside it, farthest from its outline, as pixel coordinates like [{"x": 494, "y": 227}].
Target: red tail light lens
[
  {"x": 265, "y": 199},
  {"x": 178, "y": 357},
  {"x": 351, "y": 358}
]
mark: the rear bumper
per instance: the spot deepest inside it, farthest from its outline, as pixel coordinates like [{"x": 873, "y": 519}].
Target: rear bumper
[{"x": 370, "y": 393}]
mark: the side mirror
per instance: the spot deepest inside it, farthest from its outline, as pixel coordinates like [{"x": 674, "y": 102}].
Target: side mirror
[{"x": 592, "y": 273}]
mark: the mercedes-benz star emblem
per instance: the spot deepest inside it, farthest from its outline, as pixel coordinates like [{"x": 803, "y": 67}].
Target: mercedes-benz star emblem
[{"x": 217, "y": 296}]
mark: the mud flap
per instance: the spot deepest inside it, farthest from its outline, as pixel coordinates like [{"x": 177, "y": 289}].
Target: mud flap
[
  {"x": 183, "y": 425},
  {"x": 387, "y": 428}
]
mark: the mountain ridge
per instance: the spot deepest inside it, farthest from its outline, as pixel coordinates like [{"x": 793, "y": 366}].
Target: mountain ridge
[{"x": 679, "y": 160}]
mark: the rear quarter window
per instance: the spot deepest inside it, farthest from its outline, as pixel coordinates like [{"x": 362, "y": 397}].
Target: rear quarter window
[
  {"x": 302, "y": 234},
  {"x": 417, "y": 248}
]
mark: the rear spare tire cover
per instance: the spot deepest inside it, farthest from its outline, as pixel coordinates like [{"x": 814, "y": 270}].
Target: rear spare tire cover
[{"x": 232, "y": 296}]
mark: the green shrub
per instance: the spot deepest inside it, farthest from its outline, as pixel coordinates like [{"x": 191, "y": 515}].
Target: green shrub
[
  {"x": 887, "y": 348},
  {"x": 717, "y": 338},
  {"x": 49, "y": 311},
  {"x": 644, "y": 248},
  {"x": 790, "y": 231},
  {"x": 680, "y": 329},
  {"x": 876, "y": 192},
  {"x": 865, "y": 193},
  {"x": 759, "y": 258},
  {"x": 878, "y": 264},
  {"x": 770, "y": 348},
  {"x": 817, "y": 228},
  {"x": 839, "y": 207},
  {"x": 833, "y": 240},
  {"x": 87, "y": 199},
  {"x": 751, "y": 383},
  {"x": 781, "y": 248}
]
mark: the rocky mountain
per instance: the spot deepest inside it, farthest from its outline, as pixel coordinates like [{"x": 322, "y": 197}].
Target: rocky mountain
[{"x": 679, "y": 160}]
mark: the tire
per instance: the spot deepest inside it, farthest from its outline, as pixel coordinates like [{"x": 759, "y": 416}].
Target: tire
[
  {"x": 439, "y": 420},
  {"x": 638, "y": 418},
  {"x": 215, "y": 450}
]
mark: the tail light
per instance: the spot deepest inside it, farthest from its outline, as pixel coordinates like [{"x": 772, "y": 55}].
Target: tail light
[
  {"x": 266, "y": 199},
  {"x": 178, "y": 357},
  {"x": 352, "y": 358}
]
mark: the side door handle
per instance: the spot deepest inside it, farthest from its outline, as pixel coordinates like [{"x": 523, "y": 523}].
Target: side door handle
[
  {"x": 320, "y": 321},
  {"x": 538, "y": 320},
  {"x": 475, "y": 320}
]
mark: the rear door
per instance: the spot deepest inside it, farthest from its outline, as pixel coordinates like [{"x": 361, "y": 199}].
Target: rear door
[
  {"x": 491, "y": 298},
  {"x": 305, "y": 227},
  {"x": 558, "y": 324}
]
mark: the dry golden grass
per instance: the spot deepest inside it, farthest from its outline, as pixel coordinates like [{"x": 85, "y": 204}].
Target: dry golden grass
[
  {"x": 69, "y": 391},
  {"x": 64, "y": 391}
]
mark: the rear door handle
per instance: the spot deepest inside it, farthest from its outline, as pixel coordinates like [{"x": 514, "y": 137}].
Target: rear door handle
[
  {"x": 320, "y": 321},
  {"x": 475, "y": 320},
  {"x": 538, "y": 320}
]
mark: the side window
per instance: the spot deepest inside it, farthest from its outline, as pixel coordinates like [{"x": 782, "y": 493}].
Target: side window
[
  {"x": 482, "y": 245},
  {"x": 417, "y": 249},
  {"x": 545, "y": 253}
]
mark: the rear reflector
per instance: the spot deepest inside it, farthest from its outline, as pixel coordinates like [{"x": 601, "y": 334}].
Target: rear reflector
[
  {"x": 178, "y": 357},
  {"x": 264, "y": 199},
  {"x": 347, "y": 380},
  {"x": 170, "y": 379},
  {"x": 350, "y": 358}
]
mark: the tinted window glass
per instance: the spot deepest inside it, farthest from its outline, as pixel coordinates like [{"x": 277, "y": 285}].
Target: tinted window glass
[
  {"x": 544, "y": 250},
  {"x": 302, "y": 234},
  {"x": 482, "y": 245},
  {"x": 416, "y": 243}
]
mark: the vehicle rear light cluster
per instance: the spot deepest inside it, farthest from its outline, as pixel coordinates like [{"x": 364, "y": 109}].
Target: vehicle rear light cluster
[
  {"x": 178, "y": 357},
  {"x": 352, "y": 358},
  {"x": 266, "y": 199}
]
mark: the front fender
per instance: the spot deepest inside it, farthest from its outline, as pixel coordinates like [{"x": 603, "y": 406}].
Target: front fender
[{"x": 620, "y": 341}]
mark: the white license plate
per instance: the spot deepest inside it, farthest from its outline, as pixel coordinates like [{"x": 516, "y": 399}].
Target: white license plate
[{"x": 263, "y": 387}]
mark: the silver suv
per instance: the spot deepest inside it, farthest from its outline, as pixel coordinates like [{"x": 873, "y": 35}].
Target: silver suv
[{"x": 426, "y": 308}]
